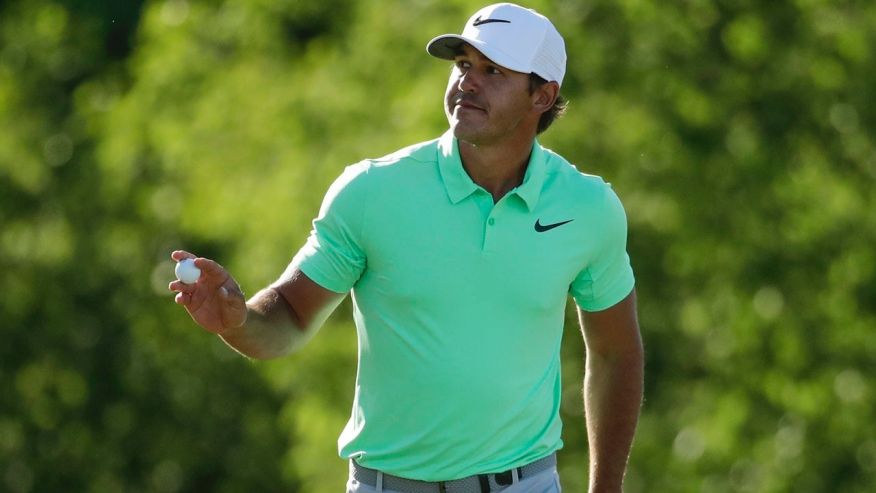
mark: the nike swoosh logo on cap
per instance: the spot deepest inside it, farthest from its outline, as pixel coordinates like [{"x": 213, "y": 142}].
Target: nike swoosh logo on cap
[
  {"x": 478, "y": 21},
  {"x": 541, "y": 228}
]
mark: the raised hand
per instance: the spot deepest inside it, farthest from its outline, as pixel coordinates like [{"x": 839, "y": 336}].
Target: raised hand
[{"x": 215, "y": 301}]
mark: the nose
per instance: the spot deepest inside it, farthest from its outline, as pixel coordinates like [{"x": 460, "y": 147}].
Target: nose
[{"x": 467, "y": 81}]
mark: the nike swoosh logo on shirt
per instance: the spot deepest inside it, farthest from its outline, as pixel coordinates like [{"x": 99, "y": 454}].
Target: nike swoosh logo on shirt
[{"x": 541, "y": 228}]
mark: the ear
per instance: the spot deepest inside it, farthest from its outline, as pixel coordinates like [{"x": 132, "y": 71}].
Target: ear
[{"x": 544, "y": 96}]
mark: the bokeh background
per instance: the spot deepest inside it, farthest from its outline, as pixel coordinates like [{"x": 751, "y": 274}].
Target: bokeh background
[{"x": 738, "y": 133}]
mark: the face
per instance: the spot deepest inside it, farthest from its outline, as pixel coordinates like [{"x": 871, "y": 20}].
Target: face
[{"x": 485, "y": 103}]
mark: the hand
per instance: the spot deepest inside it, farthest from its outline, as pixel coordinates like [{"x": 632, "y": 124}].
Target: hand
[{"x": 215, "y": 301}]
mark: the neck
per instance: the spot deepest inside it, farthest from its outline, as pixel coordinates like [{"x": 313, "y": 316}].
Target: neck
[{"x": 496, "y": 169}]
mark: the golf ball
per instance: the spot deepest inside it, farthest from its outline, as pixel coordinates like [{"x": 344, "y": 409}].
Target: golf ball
[{"x": 187, "y": 272}]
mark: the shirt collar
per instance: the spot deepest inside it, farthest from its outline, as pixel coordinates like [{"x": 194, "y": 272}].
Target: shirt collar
[
  {"x": 530, "y": 189},
  {"x": 457, "y": 182},
  {"x": 459, "y": 185}
]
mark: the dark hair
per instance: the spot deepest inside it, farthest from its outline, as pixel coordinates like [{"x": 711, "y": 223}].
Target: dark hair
[{"x": 555, "y": 111}]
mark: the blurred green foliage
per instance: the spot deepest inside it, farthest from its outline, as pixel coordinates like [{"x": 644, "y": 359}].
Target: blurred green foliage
[{"x": 739, "y": 134}]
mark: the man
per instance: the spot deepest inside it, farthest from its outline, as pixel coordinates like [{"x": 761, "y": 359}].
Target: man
[{"x": 460, "y": 254}]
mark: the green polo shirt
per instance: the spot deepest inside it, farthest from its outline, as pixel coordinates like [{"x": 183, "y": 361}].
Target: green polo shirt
[{"x": 459, "y": 303}]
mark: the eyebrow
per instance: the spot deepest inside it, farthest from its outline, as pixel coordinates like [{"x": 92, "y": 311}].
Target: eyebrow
[{"x": 460, "y": 52}]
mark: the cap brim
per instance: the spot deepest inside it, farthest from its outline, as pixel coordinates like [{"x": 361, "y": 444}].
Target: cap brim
[{"x": 447, "y": 46}]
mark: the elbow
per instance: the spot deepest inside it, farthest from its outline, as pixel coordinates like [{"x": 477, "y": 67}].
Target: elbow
[{"x": 629, "y": 356}]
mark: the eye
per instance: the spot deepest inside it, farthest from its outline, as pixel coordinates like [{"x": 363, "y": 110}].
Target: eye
[
  {"x": 493, "y": 70},
  {"x": 463, "y": 64}
]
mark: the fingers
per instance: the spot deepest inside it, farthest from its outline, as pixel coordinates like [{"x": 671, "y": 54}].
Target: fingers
[
  {"x": 181, "y": 287},
  {"x": 211, "y": 269},
  {"x": 212, "y": 275},
  {"x": 181, "y": 254},
  {"x": 205, "y": 264},
  {"x": 183, "y": 292}
]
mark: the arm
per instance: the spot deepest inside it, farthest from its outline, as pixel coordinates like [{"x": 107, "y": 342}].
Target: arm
[
  {"x": 274, "y": 322},
  {"x": 613, "y": 390}
]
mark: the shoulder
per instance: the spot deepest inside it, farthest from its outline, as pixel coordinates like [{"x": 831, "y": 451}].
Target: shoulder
[
  {"x": 364, "y": 171},
  {"x": 577, "y": 187},
  {"x": 374, "y": 172},
  {"x": 588, "y": 197},
  {"x": 423, "y": 152}
]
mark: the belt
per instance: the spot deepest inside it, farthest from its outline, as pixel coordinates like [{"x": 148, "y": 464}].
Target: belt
[{"x": 479, "y": 483}]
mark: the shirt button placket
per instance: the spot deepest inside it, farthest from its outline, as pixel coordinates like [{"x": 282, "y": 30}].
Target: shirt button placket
[{"x": 489, "y": 233}]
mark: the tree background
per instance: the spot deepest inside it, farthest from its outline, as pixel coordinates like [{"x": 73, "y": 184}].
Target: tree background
[{"x": 739, "y": 134}]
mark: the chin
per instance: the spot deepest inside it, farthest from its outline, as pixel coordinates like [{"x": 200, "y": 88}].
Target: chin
[
  {"x": 464, "y": 133},
  {"x": 465, "y": 137}
]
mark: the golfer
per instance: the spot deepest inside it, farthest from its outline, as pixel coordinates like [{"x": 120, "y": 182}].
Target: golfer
[{"x": 460, "y": 254}]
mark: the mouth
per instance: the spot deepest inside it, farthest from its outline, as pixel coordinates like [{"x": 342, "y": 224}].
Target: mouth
[{"x": 464, "y": 103}]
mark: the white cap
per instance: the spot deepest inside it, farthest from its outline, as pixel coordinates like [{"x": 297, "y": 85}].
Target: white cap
[{"x": 513, "y": 37}]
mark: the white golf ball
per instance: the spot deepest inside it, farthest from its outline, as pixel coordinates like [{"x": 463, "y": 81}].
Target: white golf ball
[{"x": 187, "y": 272}]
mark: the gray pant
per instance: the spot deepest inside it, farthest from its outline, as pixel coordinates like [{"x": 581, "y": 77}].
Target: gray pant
[{"x": 547, "y": 481}]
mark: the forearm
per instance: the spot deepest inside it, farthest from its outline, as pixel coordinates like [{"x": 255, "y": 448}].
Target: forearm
[
  {"x": 613, "y": 387},
  {"x": 272, "y": 328}
]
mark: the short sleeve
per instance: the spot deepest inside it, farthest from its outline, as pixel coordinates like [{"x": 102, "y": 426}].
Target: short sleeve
[
  {"x": 333, "y": 256},
  {"x": 608, "y": 277}
]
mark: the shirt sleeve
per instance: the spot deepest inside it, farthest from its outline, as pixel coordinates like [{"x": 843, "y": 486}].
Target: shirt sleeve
[
  {"x": 608, "y": 277},
  {"x": 333, "y": 256}
]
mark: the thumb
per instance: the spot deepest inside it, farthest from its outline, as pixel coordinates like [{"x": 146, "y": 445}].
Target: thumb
[
  {"x": 228, "y": 296},
  {"x": 233, "y": 308}
]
